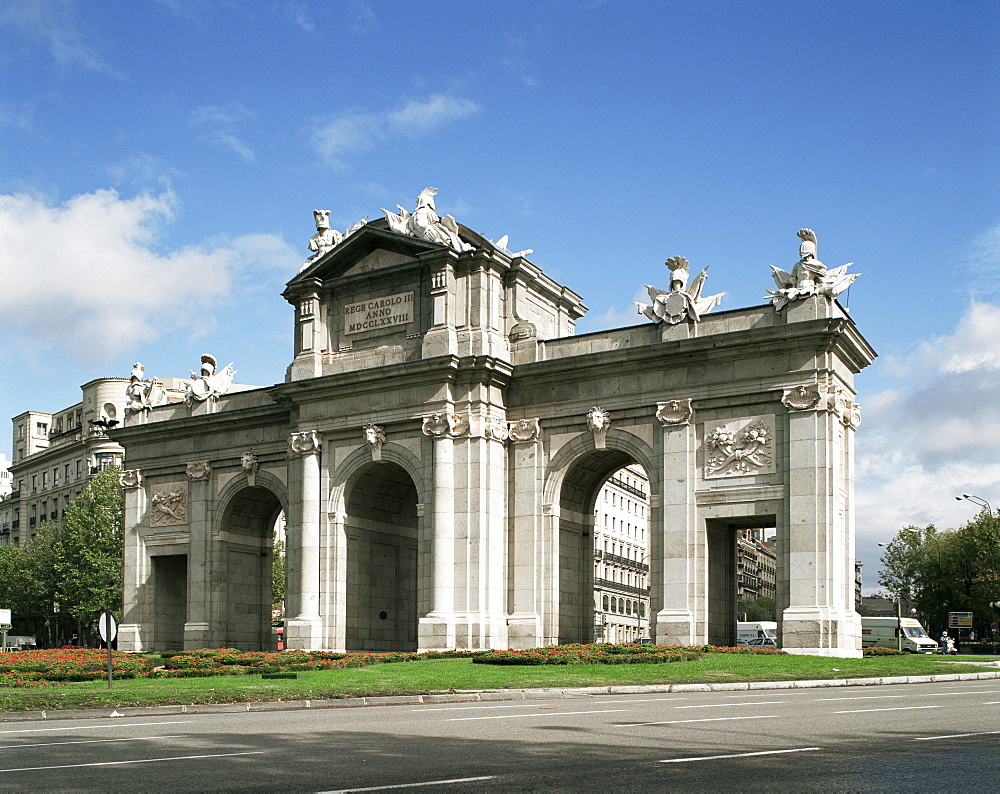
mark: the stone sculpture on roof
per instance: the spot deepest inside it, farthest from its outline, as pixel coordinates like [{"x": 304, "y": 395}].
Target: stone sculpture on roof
[
  {"x": 425, "y": 223},
  {"x": 809, "y": 276},
  {"x": 143, "y": 394},
  {"x": 326, "y": 239},
  {"x": 681, "y": 301},
  {"x": 209, "y": 383}
]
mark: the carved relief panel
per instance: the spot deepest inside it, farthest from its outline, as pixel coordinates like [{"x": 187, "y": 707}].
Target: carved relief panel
[
  {"x": 168, "y": 504},
  {"x": 739, "y": 447}
]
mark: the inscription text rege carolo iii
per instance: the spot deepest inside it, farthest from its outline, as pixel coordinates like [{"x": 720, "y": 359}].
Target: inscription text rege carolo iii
[{"x": 378, "y": 313}]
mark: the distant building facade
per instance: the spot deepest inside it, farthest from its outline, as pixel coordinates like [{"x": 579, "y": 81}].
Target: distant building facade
[
  {"x": 621, "y": 557},
  {"x": 756, "y": 566},
  {"x": 55, "y": 454}
]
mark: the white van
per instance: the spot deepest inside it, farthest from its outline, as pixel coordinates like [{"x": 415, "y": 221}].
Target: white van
[
  {"x": 882, "y": 633},
  {"x": 757, "y": 633}
]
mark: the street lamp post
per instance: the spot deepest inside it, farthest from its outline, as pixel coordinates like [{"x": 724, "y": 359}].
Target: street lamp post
[{"x": 976, "y": 500}]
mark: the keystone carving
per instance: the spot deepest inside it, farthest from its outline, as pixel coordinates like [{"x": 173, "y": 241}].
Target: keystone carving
[
  {"x": 374, "y": 437},
  {"x": 249, "y": 464},
  {"x": 131, "y": 478},
  {"x": 673, "y": 413},
  {"x": 598, "y": 422}
]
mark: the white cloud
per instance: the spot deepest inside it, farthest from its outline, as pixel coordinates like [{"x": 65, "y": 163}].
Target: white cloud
[
  {"x": 56, "y": 27},
  {"x": 935, "y": 434},
  {"x": 358, "y": 131},
  {"x": 221, "y": 122},
  {"x": 85, "y": 280}
]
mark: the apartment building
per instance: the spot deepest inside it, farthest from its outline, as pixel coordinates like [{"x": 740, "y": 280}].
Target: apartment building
[{"x": 621, "y": 557}]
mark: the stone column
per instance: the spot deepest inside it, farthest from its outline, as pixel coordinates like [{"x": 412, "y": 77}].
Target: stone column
[
  {"x": 199, "y": 622},
  {"x": 136, "y": 617},
  {"x": 525, "y": 507},
  {"x": 679, "y": 543},
  {"x": 436, "y": 630},
  {"x": 303, "y": 632},
  {"x": 820, "y": 619}
]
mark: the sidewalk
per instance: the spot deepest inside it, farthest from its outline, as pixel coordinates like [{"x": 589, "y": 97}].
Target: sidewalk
[{"x": 464, "y": 696}]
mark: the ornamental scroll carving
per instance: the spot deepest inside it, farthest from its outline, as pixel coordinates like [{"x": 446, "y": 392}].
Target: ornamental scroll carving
[
  {"x": 131, "y": 478},
  {"x": 598, "y": 422},
  {"x": 739, "y": 447},
  {"x": 495, "y": 429},
  {"x": 198, "y": 469},
  {"x": 674, "y": 413},
  {"x": 440, "y": 425},
  {"x": 374, "y": 436},
  {"x": 304, "y": 442},
  {"x": 846, "y": 409},
  {"x": 804, "y": 397},
  {"x": 525, "y": 430},
  {"x": 168, "y": 505}
]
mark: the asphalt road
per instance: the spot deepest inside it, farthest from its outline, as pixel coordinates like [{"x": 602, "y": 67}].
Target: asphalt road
[{"x": 942, "y": 736}]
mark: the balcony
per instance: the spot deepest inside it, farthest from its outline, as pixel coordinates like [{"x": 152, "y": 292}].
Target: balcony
[
  {"x": 625, "y": 562},
  {"x": 627, "y": 488},
  {"x": 617, "y": 587}
]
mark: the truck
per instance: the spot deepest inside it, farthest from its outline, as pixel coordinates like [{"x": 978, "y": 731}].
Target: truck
[
  {"x": 883, "y": 633},
  {"x": 757, "y": 633}
]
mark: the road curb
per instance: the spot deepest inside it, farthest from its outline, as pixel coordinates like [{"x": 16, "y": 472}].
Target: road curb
[{"x": 465, "y": 696}]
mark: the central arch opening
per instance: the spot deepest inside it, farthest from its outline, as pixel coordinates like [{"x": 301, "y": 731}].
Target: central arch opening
[
  {"x": 248, "y": 526},
  {"x": 381, "y": 538},
  {"x": 604, "y": 550}
]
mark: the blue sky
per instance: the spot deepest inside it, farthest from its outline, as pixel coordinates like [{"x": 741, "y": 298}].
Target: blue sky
[{"x": 160, "y": 161}]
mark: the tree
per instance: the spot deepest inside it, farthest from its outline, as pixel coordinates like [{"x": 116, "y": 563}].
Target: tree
[
  {"x": 763, "y": 608},
  {"x": 90, "y": 563},
  {"x": 278, "y": 583},
  {"x": 948, "y": 571}
]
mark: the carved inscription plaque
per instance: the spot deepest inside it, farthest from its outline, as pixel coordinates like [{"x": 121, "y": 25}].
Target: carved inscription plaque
[{"x": 378, "y": 313}]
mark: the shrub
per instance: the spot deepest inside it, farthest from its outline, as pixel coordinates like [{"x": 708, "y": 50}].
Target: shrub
[{"x": 876, "y": 651}]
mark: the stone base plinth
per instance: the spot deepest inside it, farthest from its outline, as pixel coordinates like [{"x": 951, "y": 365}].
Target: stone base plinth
[
  {"x": 821, "y": 632},
  {"x": 130, "y": 637},
  {"x": 198, "y": 635},
  {"x": 304, "y": 634},
  {"x": 523, "y": 631},
  {"x": 676, "y": 628}
]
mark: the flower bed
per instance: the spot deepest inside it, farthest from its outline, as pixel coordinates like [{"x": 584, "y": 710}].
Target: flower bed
[
  {"x": 876, "y": 651},
  {"x": 600, "y": 653},
  {"x": 35, "y": 668}
]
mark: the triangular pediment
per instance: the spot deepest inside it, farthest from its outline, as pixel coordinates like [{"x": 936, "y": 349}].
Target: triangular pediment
[{"x": 372, "y": 247}]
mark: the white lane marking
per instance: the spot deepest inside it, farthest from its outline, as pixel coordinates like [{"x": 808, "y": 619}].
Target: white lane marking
[
  {"x": 973, "y": 692},
  {"x": 96, "y": 727},
  {"x": 410, "y": 785},
  {"x": 992, "y": 703},
  {"x": 730, "y": 705},
  {"x": 953, "y": 736},
  {"x": 894, "y": 708},
  {"x": 739, "y": 755},
  {"x": 555, "y": 713},
  {"x": 521, "y": 705},
  {"x": 122, "y": 763},
  {"x": 641, "y": 700},
  {"x": 862, "y": 697},
  {"x": 708, "y": 719},
  {"x": 87, "y": 741}
]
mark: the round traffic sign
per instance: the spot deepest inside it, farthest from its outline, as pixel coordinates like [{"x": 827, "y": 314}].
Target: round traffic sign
[{"x": 107, "y": 627}]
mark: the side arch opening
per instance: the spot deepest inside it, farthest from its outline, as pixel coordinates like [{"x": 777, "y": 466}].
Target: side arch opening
[{"x": 382, "y": 574}]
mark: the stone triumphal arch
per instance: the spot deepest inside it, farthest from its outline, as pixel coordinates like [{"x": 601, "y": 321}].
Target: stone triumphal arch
[{"x": 438, "y": 442}]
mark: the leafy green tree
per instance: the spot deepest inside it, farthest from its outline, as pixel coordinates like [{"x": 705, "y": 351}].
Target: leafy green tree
[
  {"x": 763, "y": 608},
  {"x": 41, "y": 583},
  {"x": 937, "y": 572},
  {"x": 90, "y": 564},
  {"x": 278, "y": 583},
  {"x": 12, "y": 594}
]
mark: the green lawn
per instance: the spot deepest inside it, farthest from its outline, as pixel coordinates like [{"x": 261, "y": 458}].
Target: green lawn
[{"x": 443, "y": 675}]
